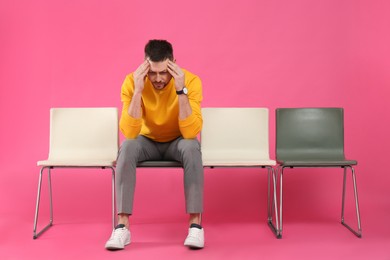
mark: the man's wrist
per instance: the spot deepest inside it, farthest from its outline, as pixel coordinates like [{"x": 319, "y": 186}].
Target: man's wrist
[
  {"x": 137, "y": 93},
  {"x": 184, "y": 91}
]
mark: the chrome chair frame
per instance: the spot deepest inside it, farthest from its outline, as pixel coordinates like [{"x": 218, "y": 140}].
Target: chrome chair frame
[
  {"x": 271, "y": 201},
  {"x": 357, "y": 232},
  {"x": 49, "y": 168}
]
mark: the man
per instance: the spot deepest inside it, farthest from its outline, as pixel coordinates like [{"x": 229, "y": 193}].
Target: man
[{"x": 161, "y": 118}]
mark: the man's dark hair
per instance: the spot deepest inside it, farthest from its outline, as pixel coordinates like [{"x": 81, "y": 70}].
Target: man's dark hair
[{"x": 158, "y": 50}]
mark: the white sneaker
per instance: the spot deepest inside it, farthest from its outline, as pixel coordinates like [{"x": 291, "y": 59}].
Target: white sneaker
[
  {"x": 120, "y": 238},
  {"x": 195, "y": 238}
]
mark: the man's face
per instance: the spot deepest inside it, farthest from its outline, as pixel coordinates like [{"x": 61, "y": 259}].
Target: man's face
[{"x": 158, "y": 74}]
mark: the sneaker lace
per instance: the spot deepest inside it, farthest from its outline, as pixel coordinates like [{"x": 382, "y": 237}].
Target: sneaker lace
[
  {"x": 118, "y": 232},
  {"x": 194, "y": 232}
]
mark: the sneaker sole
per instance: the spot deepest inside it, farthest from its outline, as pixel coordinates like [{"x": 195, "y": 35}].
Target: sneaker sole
[
  {"x": 193, "y": 246},
  {"x": 114, "y": 248}
]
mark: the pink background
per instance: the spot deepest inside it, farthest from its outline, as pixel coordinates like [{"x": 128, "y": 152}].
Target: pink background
[{"x": 248, "y": 53}]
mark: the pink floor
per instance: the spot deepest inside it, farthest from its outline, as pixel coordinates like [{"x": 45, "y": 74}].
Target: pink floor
[
  {"x": 226, "y": 240},
  {"x": 234, "y": 222}
]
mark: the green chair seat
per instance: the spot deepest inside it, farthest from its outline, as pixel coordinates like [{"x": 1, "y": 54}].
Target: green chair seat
[{"x": 316, "y": 163}]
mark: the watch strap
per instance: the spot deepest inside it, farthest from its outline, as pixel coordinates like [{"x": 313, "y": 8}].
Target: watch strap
[{"x": 183, "y": 91}]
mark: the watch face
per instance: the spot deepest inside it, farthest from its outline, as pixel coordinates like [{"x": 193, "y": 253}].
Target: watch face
[{"x": 185, "y": 90}]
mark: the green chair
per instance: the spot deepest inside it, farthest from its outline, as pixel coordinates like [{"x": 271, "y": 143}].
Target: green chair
[{"x": 313, "y": 137}]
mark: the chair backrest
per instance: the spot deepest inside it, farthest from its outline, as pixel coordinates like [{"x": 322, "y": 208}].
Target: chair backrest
[
  {"x": 237, "y": 136},
  {"x": 309, "y": 134},
  {"x": 83, "y": 134}
]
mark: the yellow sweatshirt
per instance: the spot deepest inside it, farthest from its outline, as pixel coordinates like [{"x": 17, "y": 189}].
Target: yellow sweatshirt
[{"x": 160, "y": 110}]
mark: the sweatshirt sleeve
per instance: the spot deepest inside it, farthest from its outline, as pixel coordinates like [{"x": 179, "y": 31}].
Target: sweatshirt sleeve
[
  {"x": 191, "y": 126},
  {"x": 129, "y": 126}
]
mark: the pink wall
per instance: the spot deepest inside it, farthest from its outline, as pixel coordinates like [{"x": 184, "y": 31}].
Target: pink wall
[{"x": 249, "y": 53}]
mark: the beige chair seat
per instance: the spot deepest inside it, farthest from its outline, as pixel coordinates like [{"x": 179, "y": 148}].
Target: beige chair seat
[{"x": 238, "y": 158}]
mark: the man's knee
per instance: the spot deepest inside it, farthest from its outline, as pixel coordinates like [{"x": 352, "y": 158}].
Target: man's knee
[
  {"x": 189, "y": 147},
  {"x": 129, "y": 147},
  {"x": 189, "y": 150}
]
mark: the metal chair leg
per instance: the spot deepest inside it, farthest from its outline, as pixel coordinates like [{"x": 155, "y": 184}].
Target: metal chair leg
[
  {"x": 357, "y": 232},
  {"x": 272, "y": 203},
  {"x": 35, "y": 234},
  {"x": 113, "y": 197},
  {"x": 280, "y": 179}
]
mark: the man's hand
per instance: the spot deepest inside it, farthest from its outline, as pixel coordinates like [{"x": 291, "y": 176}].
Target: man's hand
[
  {"x": 177, "y": 73},
  {"x": 139, "y": 76}
]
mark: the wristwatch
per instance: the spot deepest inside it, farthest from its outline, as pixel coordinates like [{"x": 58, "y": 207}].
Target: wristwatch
[{"x": 183, "y": 91}]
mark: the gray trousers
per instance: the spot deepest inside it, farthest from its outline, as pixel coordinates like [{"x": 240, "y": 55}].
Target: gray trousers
[{"x": 186, "y": 151}]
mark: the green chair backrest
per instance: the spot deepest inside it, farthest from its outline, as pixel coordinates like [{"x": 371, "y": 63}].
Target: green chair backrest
[{"x": 304, "y": 134}]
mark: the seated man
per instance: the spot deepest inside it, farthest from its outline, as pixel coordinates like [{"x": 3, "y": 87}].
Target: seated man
[{"x": 161, "y": 118}]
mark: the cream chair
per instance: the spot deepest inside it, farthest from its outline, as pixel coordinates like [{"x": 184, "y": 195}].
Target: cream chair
[
  {"x": 80, "y": 138},
  {"x": 238, "y": 137}
]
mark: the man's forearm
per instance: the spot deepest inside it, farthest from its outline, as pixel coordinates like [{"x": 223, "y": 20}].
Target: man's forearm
[
  {"x": 185, "y": 109},
  {"x": 135, "y": 109}
]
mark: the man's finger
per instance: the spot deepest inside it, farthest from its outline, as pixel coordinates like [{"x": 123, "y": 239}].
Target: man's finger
[
  {"x": 144, "y": 68},
  {"x": 172, "y": 72}
]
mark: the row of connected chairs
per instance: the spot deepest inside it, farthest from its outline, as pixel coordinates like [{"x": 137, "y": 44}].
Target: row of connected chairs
[{"x": 231, "y": 137}]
